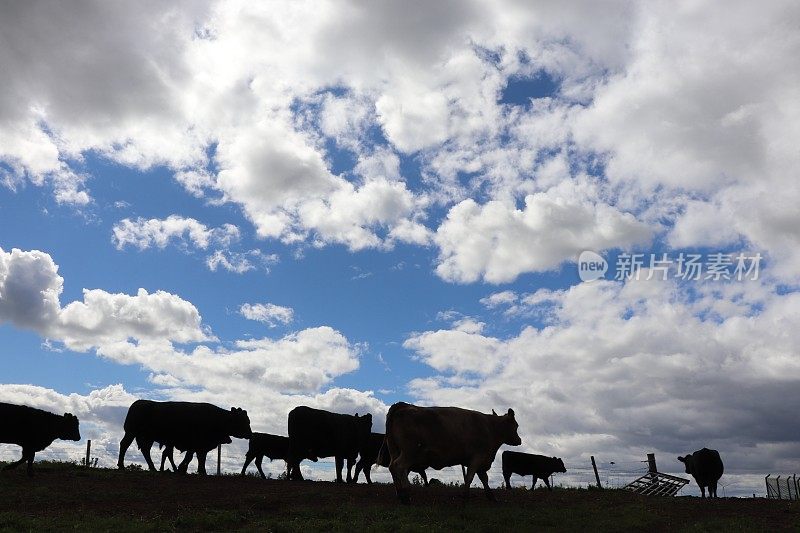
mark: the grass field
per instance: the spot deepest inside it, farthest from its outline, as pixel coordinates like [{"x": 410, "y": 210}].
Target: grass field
[{"x": 68, "y": 497}]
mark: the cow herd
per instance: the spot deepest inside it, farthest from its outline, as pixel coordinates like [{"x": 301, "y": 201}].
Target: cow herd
[{"x": 416, "y": 438}]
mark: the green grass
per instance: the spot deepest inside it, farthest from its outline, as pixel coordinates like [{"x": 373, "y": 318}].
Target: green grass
[{"x": 72, "y": 498}]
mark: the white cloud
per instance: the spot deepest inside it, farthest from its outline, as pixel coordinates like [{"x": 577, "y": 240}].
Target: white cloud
[
  {"x": 497, "y": 242},
  {"x": 144, "y": 233},
  {"x": 29, "y": 298},
  {"x": 269, "y": 314},
  {"x": 240, "y": 262}
]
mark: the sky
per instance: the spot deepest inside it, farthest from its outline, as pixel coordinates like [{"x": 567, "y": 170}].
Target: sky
[{"x": 348, "y": 204}]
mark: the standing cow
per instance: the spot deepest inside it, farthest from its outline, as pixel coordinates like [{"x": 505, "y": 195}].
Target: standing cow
[
  {"x": 436, "y": 437},
  {"x": 195, "y": 427},
  {"x": 528, "y": 464},
  {"x": 271, "y": 446},
  {"x": 706, "y": 468},
  {"x": 34, "y": 430},
  {"x": 314, "y": 433}
]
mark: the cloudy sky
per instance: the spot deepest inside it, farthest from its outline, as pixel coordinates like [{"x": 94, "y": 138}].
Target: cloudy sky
[{"x": 346, "y": 204}]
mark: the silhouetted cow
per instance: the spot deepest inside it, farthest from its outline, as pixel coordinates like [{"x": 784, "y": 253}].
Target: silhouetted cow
[
  {"x": 436, "y": 437},
  {"x": 34, "y": 430},
  {"x": 706, "y": 468},
  {"x": 197, "y": 427},
  {"x": 528, "y": 464},
  {"x": 264, "y": 444},
  {"x": 169, "y": 449},
  {"x": 314, "y": 433}
]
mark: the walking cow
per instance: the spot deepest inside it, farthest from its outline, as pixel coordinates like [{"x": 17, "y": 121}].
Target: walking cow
[
  {"x": 436, "y": 437},
  {"x": 706, "y": 468},
  {"x": 314, "y": 433},
  {"x": 527, "y": 464},
  {"x": 34, "y": 430},
  {"x": 194, "y": 427},
  {"x": 266, "y": 445}
]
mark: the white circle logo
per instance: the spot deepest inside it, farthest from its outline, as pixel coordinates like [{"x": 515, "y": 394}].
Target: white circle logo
[{"x": 591, "y": 266}]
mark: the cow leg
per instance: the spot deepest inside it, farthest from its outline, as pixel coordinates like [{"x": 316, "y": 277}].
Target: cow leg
[
  {"x": 424, "y": 477},
  {"x": 359, "y": 468},
  {"x": 366, "y": 474},
  {"x": 484, "y": 477},
  {"x": 28, "y": 456},
  {"x": 464, "y": 474},
  {"x": 258, "y": 466},
  {"x": 145, "y": 446},
  {"x": 349, "y": 470},
  {"x": 123, "y": 447},
  {"x": 702, "y": 491},
  {"x": 547, "y": 482},
  {"x": 507, "y": 479},
  {"x": 247, "y": 458},
  {"x": 201, "y": 463},
  {"x": 471, "y": 470},
  {"x": 184, "y": 466},
  {"x": 399, "y": 471},
  {"x": 712, "y": 489},
  {"x": 166, "y": 454},
  {"x": 339, "y": 466}
]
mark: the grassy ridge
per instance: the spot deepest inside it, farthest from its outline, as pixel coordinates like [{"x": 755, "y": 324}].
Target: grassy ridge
[{"x": 71, "y": 498}]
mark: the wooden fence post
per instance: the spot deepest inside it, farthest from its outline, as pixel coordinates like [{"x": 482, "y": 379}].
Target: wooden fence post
[
  {"x": 219, "y": 460},
  {"x": 88, "y": 453},
  {"x": 596, "y": 475}
]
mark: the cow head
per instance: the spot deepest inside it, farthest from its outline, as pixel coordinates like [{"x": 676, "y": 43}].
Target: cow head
[
  {"x": 507, "y": 427},
  {"x": 559, "y": 464},
  {"x": 363, "y": 430},
  {"x": 240, "y": 424},
  {"x": 69, "y": 428},
  {"x": 688, "y": 461}
]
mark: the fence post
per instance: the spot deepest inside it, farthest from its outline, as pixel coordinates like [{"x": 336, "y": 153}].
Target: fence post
[
  {"x": 596, "y": 475},
  {"x": 651, "y": 463},
  {"x": 778, "y": 484},
  {"x": 219, "y": 460},
  {"x": 88, "y": 453}
]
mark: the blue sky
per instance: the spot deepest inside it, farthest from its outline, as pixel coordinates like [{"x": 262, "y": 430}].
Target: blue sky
[{"x": 384, "y": 203}]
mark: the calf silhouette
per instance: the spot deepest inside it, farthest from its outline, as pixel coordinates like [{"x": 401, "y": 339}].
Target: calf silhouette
[
  {"x": 34, "y": 430},
  {"x": 266, "y": 445},
  {"x": 528, "y": 464}
]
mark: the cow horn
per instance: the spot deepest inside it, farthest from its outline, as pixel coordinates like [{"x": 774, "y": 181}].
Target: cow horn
[{"x": 510, "y": 411}]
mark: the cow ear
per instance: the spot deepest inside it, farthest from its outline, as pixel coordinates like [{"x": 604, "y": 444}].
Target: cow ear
[
  {"x": 510, "y": 412},
  {"x": 682, "y": 459}
]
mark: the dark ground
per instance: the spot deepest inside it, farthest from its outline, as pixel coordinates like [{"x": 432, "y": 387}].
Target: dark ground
[{"x": 66, "y": 497}]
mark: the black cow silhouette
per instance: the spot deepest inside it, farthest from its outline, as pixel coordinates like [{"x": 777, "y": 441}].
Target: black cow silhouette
[
  {"x": 195, "y": 427},
  {"x": 436, "y": 437},
  {"x": 528, "y": 464},
  {"x": 706, "y": 468},
  {"x": 266, "y": 445},
  {"x": 314, "y": 433},
  {"x": 34, "y": 430}
]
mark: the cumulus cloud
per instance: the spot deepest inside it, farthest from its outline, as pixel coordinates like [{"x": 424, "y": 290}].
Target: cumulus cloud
[
  {"x": 497, "y": 242},
  {"x": 269, "y": 314},
  {"x": 145, "y": 233},
  {"x": 30, "y": 288}
]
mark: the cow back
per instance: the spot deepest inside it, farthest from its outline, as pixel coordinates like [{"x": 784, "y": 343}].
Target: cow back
[
  {"x": 708, "y": 466},
  {"x": 314, "y": 432}
]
